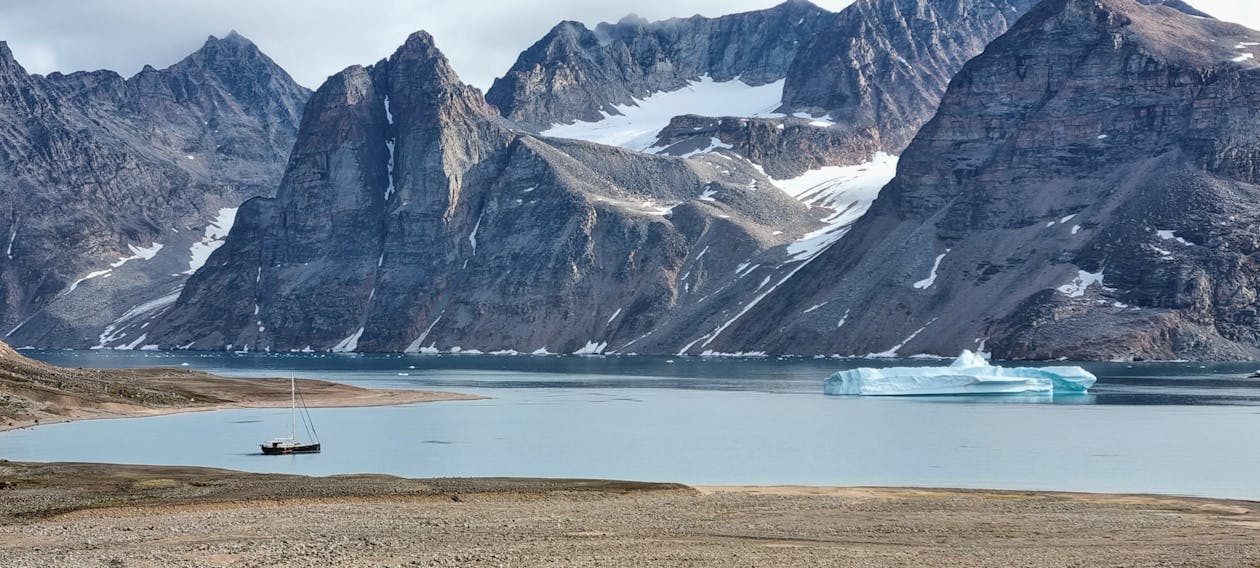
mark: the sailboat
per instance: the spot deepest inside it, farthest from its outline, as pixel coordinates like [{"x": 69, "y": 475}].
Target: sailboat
[{"x": 291, "y": 445}]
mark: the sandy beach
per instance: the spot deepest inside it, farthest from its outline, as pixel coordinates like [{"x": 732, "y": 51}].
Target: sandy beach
[{"x": 97, "y": 515}]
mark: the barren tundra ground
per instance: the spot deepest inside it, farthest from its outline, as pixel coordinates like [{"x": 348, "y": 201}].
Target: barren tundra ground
[{"x": 96, "y": 515}]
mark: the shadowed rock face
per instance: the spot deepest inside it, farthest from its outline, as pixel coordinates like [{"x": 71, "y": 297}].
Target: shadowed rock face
[
  {"x": 878, "y": 72},
  {"x": 94, "y": 166},
  {"x": 1087, "y": 189},
  {"x": 412, "y": 216}
]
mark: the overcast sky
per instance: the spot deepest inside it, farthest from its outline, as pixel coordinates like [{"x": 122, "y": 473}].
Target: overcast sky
[{"x": 316, "y": 38}]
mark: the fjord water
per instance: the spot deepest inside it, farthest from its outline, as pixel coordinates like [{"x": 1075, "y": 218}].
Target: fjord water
[{"x": 1175, "y": 428}]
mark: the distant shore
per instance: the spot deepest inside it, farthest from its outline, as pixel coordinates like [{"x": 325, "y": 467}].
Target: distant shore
[
  {"x": 34, "y": 393},
  {"x": 95, "y": 514},
  {"x": 248, "y": 393}
]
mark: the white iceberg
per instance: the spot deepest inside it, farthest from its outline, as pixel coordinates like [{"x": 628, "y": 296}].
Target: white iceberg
[{"x": 969, "y": 374}]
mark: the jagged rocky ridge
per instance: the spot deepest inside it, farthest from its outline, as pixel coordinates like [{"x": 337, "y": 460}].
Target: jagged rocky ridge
[
  {"x": 575, "y": 73},
  {"x": 107, "y": 183},
  {"x": 413, "y": 217},
  {"x": 854, "y": 83},
  {"x": 1088, "y": 189}
]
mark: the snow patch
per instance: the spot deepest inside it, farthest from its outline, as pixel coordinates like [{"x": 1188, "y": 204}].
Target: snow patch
[
  {"x": 110, "y": 334},
  {"x": 414, "y": 347},
  {"x": 658, "y": 210},
  {"x": 931, "y": 279},
  {"x": 8, "y": 252},
  {"x": 847, "y": 190},
  {"x": 1171, "y": 236},
  {"x": 748, "y": 307},
  {"x": 736, "y": 355},
  {"x": 636, "y": 125},
  {"x": 349, "y": 344},
  {"x": 90, "y": 275},
  {"x": 1083, "y": 281},
  {"x": 133, "y": 344},
  {"x": 389, "y": 169},
  {"x": 472, "y": 237},
  {"x": 216, "y": 232},
  {"x": 892, "y": 352},
  {"x": 592, "y": 348},
  {"x": 714, "y": 144},
  {"x": 138, "y": 253}
]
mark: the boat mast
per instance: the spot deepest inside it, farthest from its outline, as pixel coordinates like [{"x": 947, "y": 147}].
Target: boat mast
[{"x": 292, "y": 408}]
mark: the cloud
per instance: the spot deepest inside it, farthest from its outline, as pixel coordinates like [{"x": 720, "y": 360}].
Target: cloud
[
  {"x": 316, "y": 38},
  {"x": 310, "y": 38}
]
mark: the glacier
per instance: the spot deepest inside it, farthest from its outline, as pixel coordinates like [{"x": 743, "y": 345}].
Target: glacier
[{"x": 968, "y": 374}]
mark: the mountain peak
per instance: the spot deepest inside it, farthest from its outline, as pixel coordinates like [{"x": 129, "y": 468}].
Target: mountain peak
[
  {"x": 7, "y": 62},
  {"x": 569, "y": 29},
  {"x": 419, "y": 41},
  {"x": 423, "y": 62},
  {"x": 1168, "y": 30},
  {"x": 633, "y": 19},
  {"x": 799, "y": 5},
  {"x": 419, "y": 75},
  {"x": 1180, "y": 6},
  {"x": 232, "y": 40}
]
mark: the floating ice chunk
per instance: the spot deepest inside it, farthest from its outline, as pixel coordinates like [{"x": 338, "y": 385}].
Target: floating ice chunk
[{"x": 969, "y": 374}]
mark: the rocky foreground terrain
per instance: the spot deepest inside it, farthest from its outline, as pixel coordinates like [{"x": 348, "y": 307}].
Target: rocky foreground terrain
[{"x": 54, "y": 515}]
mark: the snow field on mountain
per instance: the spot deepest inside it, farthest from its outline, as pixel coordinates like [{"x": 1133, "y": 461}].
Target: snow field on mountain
[{"x": 637, "y": 125}]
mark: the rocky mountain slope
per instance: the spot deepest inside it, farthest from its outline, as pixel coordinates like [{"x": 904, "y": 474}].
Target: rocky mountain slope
[
  {"x": 821, "y": 88},
  {"x": 1088, "y": 189},
  {"x": 114, "y": 189},
  {"x": 413, "y": 217}
]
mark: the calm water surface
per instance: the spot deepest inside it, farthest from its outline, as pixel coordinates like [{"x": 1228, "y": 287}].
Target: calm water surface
[{"x": 1174, "y": 428}]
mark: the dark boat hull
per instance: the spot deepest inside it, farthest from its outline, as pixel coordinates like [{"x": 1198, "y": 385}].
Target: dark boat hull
[{"x": 284, "y": 450}]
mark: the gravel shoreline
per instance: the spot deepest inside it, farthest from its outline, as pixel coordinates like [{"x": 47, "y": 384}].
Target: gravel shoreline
[
  {"x": 107, "y": 515},
  {"x": 33, "y": 393}
]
